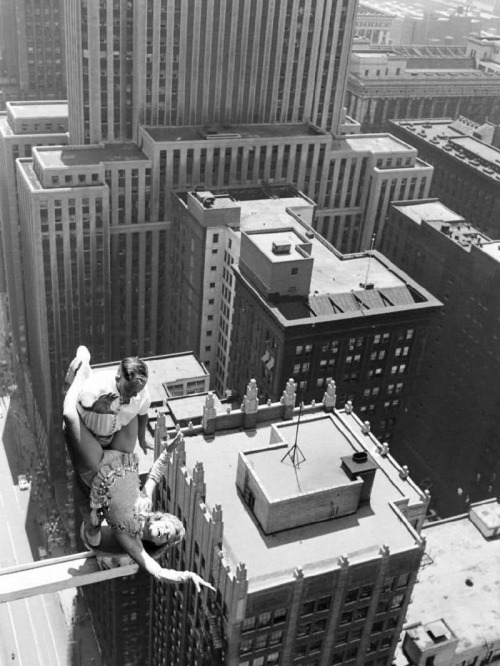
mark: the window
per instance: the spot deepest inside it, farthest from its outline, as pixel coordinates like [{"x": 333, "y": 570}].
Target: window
[
  {"x": 212, "y": 286},
  {"x": 248, "y": 624},
  {"x": 215, "y": 238},
  {"x": 295, "y": 271},
  {"x": 264, "y": 619},
  {"x": 345, "y": 618},
  {"x": 308, "y": 608}
]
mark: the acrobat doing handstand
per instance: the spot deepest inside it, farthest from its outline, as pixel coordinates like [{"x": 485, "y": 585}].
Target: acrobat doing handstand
[{"x": 101, "y": 421}]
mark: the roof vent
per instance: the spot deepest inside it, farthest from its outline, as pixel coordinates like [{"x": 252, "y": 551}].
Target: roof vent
[
  {"x": 359, "y": 457},
  {"x": 281, "y": 247}
]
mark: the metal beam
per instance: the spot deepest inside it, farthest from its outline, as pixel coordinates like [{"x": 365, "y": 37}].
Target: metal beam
[{"x": 44, "y": 577}]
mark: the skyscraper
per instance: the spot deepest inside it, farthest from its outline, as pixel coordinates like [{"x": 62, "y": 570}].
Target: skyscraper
[{"x": 189, "y": 62}]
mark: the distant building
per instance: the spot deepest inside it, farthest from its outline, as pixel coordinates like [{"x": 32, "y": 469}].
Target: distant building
[
  {"x": 33, "y": 49},
  {"x": 373, "y": 24},
  {"x": 454, "y": 615},
  {"x": 434, "y": 22},
  {"x": 449, "y": 434},
  {"x": 312, "y": 562},
  {"x": 485, "y": 50},
  {"x": 411, "y": 82},
  {"x": 466, "y": 163}
]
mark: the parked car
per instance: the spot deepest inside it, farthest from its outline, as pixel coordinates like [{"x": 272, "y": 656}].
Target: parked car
[{"x": 23, "y": 482}]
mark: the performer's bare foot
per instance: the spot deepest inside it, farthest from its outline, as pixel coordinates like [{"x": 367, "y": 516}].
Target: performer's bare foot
[{"x": 81, "y": 363}]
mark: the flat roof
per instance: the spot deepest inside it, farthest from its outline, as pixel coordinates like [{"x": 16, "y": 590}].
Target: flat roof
[
  {"x": 32, "y": 111},
  {"x": 190, "y": 407},
  {"x": 181, "y": 366},
  {"x": 428, "y": 211},
  {"x": 455, "y": 138},
  {"x": 58, "y": 158},
  {"x": 321, "y": 468},
  {"x": 459, "y": 582},
  {"x": 317, "y": 547},
  {"x": 377, "y": 143},
  {"x": 492, "y": 249},
  {"x": 200, "y": 132},
  {"x": 332, "y": 273}
]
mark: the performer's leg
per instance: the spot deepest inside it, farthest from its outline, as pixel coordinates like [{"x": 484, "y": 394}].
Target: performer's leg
[
  {"x": 84, "y": 449},
  {"x": 126, "y": 438}
]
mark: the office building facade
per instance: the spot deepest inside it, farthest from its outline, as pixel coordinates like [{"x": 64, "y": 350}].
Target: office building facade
[{"x": 452, "y": 413}]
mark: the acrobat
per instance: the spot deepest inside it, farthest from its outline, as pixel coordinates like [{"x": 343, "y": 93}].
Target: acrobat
[{"x": 107, "y": 468}]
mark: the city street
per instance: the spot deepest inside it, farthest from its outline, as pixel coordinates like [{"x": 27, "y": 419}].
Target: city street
[{"x": 49, "y": 629}]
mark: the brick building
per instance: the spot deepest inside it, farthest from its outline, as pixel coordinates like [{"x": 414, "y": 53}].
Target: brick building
[
  {"x": 466, "y": 165},
  {"x": 449, "y": 434},
  {"x": 276, "y": 301}
]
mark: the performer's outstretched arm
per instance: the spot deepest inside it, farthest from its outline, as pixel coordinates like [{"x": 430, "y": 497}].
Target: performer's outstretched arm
[{"x": 134, "y": 547}]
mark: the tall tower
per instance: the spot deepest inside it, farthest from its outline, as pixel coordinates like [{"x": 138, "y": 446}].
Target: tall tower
[{"x": 200, "y": 62}]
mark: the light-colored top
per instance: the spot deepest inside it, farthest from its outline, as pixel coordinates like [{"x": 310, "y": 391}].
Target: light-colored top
[{"x": 104, "y": 426}]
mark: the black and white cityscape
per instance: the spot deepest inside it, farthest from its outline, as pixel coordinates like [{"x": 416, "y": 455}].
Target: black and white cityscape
[{"x": 249, "y": 332}]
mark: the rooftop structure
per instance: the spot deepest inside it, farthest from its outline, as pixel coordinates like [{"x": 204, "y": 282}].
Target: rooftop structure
[{"x": 455, "y": 606}]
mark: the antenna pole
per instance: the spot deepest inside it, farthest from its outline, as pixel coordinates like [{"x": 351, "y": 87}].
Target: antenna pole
[
  {"x": 295, "y": 454},
  {"x": 369, "y": 260}
]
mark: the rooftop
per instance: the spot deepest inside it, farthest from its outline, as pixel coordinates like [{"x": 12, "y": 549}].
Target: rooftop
[
  {"x": 459, "y": 582},
  {"x": 34, "y": 110},
  {"x": 59, "y": 158},
  {"x": 456, "y": 138},
  {"x": 190, "y": 407},
  {"x": 337, "y": 282},
  {"x": 452, "y": 225},
  {"x": 203, "y": 133},
  {"x": 377, "y": 143},
  {"x": 314, "y": 547}
]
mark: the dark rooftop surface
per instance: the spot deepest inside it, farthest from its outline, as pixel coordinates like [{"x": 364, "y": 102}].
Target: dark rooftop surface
[{"x": 201, "y": 133}]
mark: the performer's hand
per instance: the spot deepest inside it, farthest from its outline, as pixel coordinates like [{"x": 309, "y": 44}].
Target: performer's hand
[
  {"x": 144, "y": 504},
  {"x": 172, "y": 444},
  {"x": 199, "y": 582},
  {"x": 103, "y": 404}
]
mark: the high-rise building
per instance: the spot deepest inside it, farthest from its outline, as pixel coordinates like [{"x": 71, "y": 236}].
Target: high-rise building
[
  {"x": 449, "y": 434},
  {"x": 466, "y": 160},
  {"x": 189, "y": 62},
  {"x": 274, "y": 301},
  {"x": 25, "y": 125},
  {"x": 453, "y": 617},
  {"x": 33, "y": 48},
  {"x": 313, "y": 548},
  {"x": 411, "y": 82}
]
